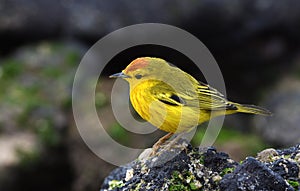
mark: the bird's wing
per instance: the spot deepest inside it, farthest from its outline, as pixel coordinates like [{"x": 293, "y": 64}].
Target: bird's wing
[
  {"x": 204, "y": 97},
  {"x": 166, "y": 94},
  {"x": 212, "y": 99}
]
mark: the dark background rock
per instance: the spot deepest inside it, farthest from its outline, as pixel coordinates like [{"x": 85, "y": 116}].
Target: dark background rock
[
  {"x": 283, "y": 127},
  {"x": 242, "y": 35}
]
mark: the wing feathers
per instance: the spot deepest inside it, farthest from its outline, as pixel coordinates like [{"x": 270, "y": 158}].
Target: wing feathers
[{"x": 204, "y": 97}]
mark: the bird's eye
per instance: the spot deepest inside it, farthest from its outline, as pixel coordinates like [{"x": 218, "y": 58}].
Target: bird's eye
[{"x": 138, "y": 76}]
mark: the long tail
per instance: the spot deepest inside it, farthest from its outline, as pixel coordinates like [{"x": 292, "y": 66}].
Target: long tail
[{"x": 252, "y": 109}]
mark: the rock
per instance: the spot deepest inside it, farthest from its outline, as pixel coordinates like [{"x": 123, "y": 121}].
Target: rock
[
  {"x": 92, "y": 18},
  {"x": 283, "y": 127},
  {"x": 267, "y": 155},
  {"x": 185, "y": 170},
  {"x": 253, "y": 175},
  {"x": 255, "y": 38},
  {"x": 188, "y": 168},
  {"x": 36, "y": 19},
  {"x": 285, "y": 168}
]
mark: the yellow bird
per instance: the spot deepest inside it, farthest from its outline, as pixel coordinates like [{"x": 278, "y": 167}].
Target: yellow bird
[{"x": 174, "y": 101}]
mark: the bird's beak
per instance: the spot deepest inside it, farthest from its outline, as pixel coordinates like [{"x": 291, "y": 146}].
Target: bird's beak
[{"x": 119, "y": 75}]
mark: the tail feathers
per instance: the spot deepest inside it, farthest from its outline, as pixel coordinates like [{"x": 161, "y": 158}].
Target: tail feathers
[{"x": 252, "y": 109}]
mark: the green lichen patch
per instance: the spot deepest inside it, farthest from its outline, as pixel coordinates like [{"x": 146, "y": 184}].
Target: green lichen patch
[
  {"x": 114, "y": 184},
  {"x": 27, "y": 158},
  {"x": 184, "y": 181},
  {"x": 226, "y": 171},
  {"x": 295, "y": 184},
  {"x": 207, "y": 169}
]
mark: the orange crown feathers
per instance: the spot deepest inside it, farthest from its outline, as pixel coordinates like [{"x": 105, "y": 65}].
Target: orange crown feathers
[{"x": 136, "y": 64}]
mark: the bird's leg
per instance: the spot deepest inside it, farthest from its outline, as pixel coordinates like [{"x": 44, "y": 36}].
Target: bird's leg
[
  {"x": 174, "y": 141},
  {"x": 161, "y": 141}
]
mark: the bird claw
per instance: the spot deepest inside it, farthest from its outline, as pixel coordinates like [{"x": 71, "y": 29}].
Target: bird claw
[{"x": 161, "y": 144}]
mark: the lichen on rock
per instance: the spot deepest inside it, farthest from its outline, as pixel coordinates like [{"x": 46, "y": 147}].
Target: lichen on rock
[{"x": 188, "y": 168}]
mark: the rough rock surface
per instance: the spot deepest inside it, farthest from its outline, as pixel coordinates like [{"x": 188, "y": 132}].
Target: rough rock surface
[{"x": 206, "y": 169}]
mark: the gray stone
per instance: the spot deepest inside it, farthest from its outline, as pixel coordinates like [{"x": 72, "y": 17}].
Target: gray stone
[
  {"x": 207, "y": 169},
  {"x": 282, "y": 129}
]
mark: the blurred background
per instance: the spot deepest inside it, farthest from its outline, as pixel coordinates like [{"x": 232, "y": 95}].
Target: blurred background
[{"x": 255, "y": 43}]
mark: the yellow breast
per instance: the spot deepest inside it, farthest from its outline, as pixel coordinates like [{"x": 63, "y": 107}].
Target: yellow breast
[{"x": 166, "y": 117}]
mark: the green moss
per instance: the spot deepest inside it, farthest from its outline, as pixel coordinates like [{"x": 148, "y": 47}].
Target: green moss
[
  {"x": 286, "y": 156},
  {"x": 11, "y": 68},
  {"x": 27, "y": 158},
  {"x": 38, "y": 77},
  {"x": 226, "y": 171},
  {"x": 72, "y": 58},
  {"x": 294, "y": 184},
  {"x": 193, "y": 186},
  {"x": 114, "y": 184},
  {"x": 47, "y": 134},
  {"x": 27, "y": 98},
  {"x": 67, "y": 103},
  {"x": 202, "y": 159},
  {"x": 117, "y": 132},
  {"x": 177, "y": 182},
  {"x": 138, "y": 186},
  {"x": 52, "y": 72},
  {"x": 100, "y": 99},
  {"x": 185, "y": 181}
]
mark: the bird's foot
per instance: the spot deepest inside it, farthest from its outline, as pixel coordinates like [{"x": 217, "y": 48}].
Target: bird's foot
[
  {"x": 173, "y": 143},
  {"x": 159, "y": 143}
]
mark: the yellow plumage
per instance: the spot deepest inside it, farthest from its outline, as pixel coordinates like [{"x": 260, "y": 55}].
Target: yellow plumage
[{"x": 172, "y": 100}]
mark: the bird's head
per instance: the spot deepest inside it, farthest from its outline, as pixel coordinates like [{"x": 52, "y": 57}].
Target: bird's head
[{"x": 143, "y": 68}]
